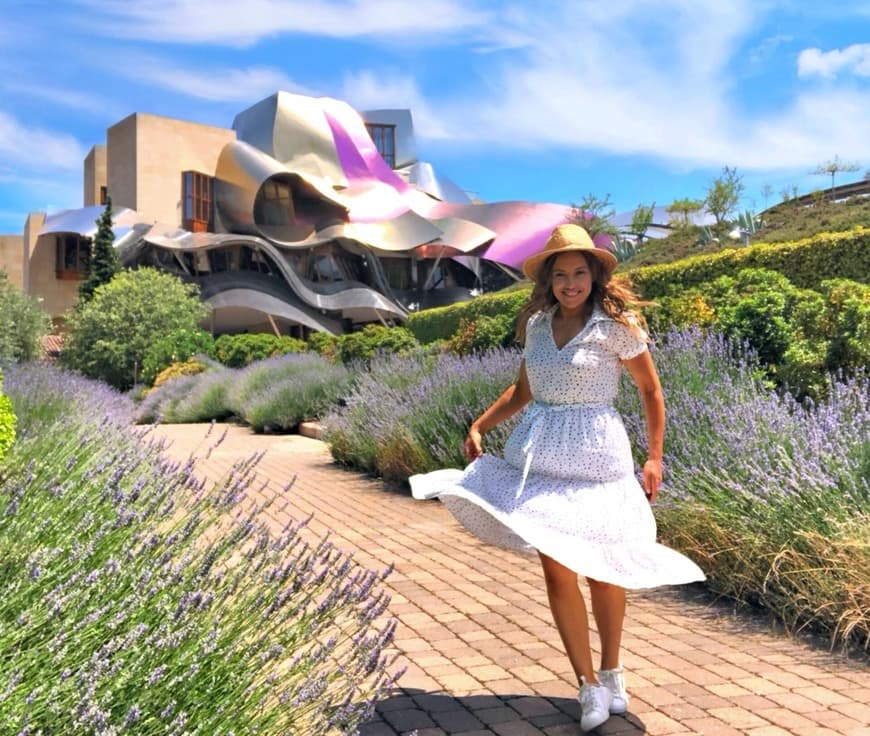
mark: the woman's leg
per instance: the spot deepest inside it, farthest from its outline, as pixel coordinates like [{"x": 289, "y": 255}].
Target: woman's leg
[
  {"x": 608, "y": 608},
  {"x": 569, "y": 613}
]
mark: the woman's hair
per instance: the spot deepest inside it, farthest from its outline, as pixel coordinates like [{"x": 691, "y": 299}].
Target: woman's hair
[{"x": 615, "y": 296}]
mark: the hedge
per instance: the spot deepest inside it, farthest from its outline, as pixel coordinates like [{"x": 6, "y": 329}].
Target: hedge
[
  {"x": 443, "y": 322},
  {"x": 806, "y": 263}
]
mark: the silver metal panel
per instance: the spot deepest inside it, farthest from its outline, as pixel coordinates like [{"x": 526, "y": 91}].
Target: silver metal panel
[
  {"x": 343, "y": 296},
  {"x": 267, "y": 304},
  {"x": 84, "y": 220},
  {"x": 406, "y": 144},
  {"x": 422, "y": 175},
  {"x": 241, "y": 172},
  {"x": 293, "y": 130}
]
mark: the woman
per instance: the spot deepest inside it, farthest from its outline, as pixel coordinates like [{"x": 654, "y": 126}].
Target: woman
[{"x": 566, "y": 487}]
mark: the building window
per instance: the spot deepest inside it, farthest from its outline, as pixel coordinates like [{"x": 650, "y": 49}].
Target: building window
[
  {"x": 384, "y": 138},
  {"x": 274, "y": 204},
  {"x": 197, "y": 201},
  {"x": 104, "y": 195},
  {"x": 72, "y": 254}
]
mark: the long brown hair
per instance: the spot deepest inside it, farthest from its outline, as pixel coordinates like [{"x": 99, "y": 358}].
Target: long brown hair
[{"x": 614, "y": 294}]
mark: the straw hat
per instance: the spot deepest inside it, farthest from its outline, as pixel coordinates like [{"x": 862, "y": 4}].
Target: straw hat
[{"x": 566, "y": 239}]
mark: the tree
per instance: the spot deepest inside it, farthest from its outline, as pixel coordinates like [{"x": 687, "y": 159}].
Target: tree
[
  {"x": 641, "y": 220},
  {"x": 685, "y": 208},
  {"x": 834, "y": 166},
  {"x": 103, "y": 263},
  {"x": 594, "y": 214},
  {"x": 766, "y": 193},
  {"x": 109, "y": 336},
  {"x": 723, "y": 194},
  {"x": 23, "y": 324}
]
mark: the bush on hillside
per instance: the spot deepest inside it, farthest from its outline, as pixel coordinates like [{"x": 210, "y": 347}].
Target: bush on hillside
[
  {"x": 323, "y": 343},
  {"x": 237, "y": 351},
  {"x": 22, "y": 324},
  {"x": 110, "y": 335},
  {"x": 806, "y": 263}
]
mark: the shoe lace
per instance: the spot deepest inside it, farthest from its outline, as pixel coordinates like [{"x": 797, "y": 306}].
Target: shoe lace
[{"x": 587, "y": 696}]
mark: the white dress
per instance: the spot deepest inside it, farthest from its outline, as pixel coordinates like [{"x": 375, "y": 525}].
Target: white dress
[{"x": 566, "y": 485}]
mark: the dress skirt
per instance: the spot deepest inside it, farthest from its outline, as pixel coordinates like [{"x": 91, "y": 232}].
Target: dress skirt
[{"x": 566, "y": 488}]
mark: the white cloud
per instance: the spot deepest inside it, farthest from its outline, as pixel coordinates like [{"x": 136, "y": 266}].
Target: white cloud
[
  {"x": 244, "y": 23},
  {"x": 370, "y": 90},
  {"x": 23, "y": 145},
  {"x": 211, "y": 83},
  {"x": 854, "y": 59},
  {"x": 84, "y": 101}
]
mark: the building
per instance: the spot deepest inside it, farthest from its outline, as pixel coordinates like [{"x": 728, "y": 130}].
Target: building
[{"x": 304, "y": 215}]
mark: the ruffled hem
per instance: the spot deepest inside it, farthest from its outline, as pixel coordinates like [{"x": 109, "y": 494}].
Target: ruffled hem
[{"x": 628, "y": 563}]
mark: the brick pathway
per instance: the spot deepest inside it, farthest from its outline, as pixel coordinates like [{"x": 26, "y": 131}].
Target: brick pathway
[{"x": 481, "y": 652}]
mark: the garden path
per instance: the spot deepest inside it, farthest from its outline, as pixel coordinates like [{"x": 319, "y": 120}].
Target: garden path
[{"x": 475, "y": 633}]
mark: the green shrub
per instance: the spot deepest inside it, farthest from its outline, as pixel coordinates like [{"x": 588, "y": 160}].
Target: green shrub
[
  {"x": 237, "y": 351},
  {"x": 482, "y": 334},
  {"x": 363, "y": 345},
  {"x": 323, "y": 343},
  {"x": 22, "y": 324},
  {"x": 443, "y": 322},
  {"x": 177, "y": 370},
  {"x": 7, "y": 421},
  {"x": 109, "y": 336},
  {"x": 806, "y": 263},
  {"x": 178, "y": 346}
]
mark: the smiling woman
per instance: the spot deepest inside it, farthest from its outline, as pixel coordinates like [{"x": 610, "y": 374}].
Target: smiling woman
[{"x": 565, "y": 488}]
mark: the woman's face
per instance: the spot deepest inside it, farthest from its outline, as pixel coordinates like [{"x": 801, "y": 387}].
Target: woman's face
[{"x": 571, "y": 280}]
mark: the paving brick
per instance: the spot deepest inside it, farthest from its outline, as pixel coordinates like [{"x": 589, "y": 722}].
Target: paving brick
[{"x": 482, "y": 654}]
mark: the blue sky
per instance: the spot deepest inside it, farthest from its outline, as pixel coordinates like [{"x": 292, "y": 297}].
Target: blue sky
[{"x": 644, "y": 100}]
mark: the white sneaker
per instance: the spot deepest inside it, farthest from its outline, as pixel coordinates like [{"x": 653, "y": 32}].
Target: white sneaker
[
  {"x": 614, "y": 680},
  {"x": 595, "y": 701}
]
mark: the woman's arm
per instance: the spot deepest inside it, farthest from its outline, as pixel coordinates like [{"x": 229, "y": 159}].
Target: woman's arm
[
  {"x": 643, "y": 371},
  {"x": 514, "y": 398}
]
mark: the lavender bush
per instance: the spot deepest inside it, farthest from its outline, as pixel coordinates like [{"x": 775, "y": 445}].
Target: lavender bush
[
  {"x": 410, "y": 413},
  {"x": 279, "y": 393},
  {"x": 139, "y": 601},
  {"x": 770, "y": 496}
]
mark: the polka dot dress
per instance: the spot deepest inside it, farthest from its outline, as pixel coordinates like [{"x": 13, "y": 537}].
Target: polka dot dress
[{"x": 566, "y": 485}]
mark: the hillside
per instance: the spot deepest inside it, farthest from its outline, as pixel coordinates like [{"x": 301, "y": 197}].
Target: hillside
[{"x": 782, "y": 222}]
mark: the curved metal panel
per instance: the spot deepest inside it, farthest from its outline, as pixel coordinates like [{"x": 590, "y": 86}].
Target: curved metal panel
[
  {"x": 84, "y": 221},
  {"x": 241, "y": 172},
  {"x": 342, "y": 296},
  {"x": 292, "y": 129},
  {"x": 422, "y": 175},
  {"x": 521, "y": 228}
]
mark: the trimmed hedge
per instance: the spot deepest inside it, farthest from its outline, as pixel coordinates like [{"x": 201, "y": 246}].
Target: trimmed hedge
[
  {"x": 806, "y": 263},
  {"x": 443, "y": 322}
]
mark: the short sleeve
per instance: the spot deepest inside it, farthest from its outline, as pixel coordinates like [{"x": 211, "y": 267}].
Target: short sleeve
[
  {"x": 627, "y": 342},
  {"x": 533, "y": 326}
]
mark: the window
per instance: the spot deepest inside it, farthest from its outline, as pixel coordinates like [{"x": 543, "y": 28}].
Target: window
[
  {"x": 197, "y": 201},
  {"x": 274, "y": 205},
  {"x": 384, "y": 138},
  {"x": 104, "y": 195},
  {"x": 72, "y": 253}
]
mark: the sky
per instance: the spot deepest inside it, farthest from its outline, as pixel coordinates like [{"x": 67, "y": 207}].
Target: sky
[{"x": 641, "y": 101}]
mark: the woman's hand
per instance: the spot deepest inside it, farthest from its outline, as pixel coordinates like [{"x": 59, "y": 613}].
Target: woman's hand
[
  {"x": 652, "y": 479},
  {"x": 473, "y": 443}
]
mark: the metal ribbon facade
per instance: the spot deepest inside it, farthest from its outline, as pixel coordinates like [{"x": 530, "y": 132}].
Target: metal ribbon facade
[{"x": 359, "y": 242}]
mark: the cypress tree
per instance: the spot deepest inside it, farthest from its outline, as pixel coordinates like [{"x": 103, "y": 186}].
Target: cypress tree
[{"x": 103, "y": 263}]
